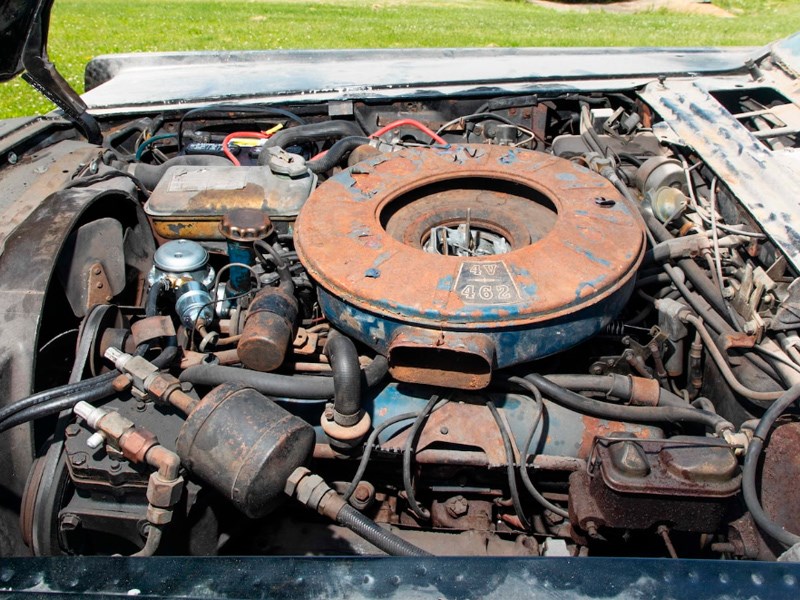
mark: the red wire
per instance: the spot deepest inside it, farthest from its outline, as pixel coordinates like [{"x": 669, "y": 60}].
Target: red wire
[
  {"x": 240, "y": 134},
  {"x": 411, "y": 123}
]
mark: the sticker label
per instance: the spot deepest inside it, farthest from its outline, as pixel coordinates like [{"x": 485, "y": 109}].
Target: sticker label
[
  {"x": 486, "y": 283},
  {"x": 201, "y": 180}
]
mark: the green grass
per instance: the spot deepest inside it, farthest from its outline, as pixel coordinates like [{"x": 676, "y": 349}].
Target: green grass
[{"x": 82, "y": 29}]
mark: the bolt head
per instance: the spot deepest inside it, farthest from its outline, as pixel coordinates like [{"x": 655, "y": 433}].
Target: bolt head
[
  {"x": 78, "y": 459},
  {"x": 457, "y": 506},
  {"x": 362, "y": 493},
  {"x": 72, "y": 430}
]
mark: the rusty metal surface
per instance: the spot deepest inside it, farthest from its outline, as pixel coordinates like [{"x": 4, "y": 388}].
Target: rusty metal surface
[
  {"x": 98, "y": 287},
  {"x": 464, "y": 425},
  {"x": 152, "y": 328},
  {"x": 590, "y": 251},
  {"x": 683, "y": 465},
  {"x": 462, "y": 514},
  {"x": 592, "y": 504},
  {"x": 684, "y": 483},
  {"x": 189, "y": 202},
  {"x": 92, "y": 269},
  {"x": 779, "y": 476},
  {"x": 268, "y": 329},
  {"x": 245, "y": 446},
  {"x": 541, "y": 289},
  {"x": 461, "y": 360}
]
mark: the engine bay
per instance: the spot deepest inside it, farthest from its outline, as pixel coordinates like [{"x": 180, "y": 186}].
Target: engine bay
[{"x": 522, "y": 325}]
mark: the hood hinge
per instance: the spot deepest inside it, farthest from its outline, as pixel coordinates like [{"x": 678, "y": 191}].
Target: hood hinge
[{"x": 42, "y": 75}]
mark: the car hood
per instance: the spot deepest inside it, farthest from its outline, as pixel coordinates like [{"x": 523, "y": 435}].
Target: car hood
[{"x": 23, "y": 24}]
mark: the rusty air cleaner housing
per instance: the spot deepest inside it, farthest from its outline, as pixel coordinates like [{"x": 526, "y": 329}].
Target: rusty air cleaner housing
[{"x": 455, "y": 261}]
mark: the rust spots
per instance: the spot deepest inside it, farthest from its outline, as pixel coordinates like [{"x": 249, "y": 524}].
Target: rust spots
[
  {"x": 594, "y": 428},
  {"x": 563, "y": 246}
]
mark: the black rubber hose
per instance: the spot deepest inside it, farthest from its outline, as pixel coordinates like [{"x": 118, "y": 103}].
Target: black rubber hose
[
  {"x": 375, "y": 535},
  {"x": 282, "y": 386},
  {"x": 524, "y": 454},
  {"x": 55, "y": 406},
  {"x": 151, "y": 302},
  {"x": 371, "y": 441},
  {"x": 55, "y": 393},
  {"x": 343, "y": 358},
  {"x": 618, "y": 386},
  {"x": 749, "y": 490},
  {"x": 100, "y": 388},
  {"x": 510, "y": 470},
  {"x": 47, "y": 396},
  {"x": 636, "y": 414},
  {"x": 408, "y": 485},
  {"x": 312, "y": 132},
  {"x": 336, "y": 153},
  {"x": 167, "y": 355},
  {"x": 150, "y": 175}
]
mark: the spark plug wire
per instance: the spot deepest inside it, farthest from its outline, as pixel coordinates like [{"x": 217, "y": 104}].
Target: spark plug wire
[
  {"x": 258, "y": 135},
  {"x": 410, "y": 123}
]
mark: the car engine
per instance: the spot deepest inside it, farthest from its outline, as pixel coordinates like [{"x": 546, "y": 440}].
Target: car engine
[{"x": 513, "y": 325}]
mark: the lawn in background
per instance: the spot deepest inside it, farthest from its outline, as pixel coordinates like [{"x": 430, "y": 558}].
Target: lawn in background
[{"x": 82, "y": 29}]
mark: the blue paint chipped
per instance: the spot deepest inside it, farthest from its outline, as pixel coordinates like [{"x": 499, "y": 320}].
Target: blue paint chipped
[
  {"x": 372, "y": 273},
  {"x": 380, "y": 259},
  {"x": 445, "y": 283},
  {"x": 588, "y": 254},
  {"x": 509, "y": 158},
  {"x": 594, "y": 283},
  {"x": 567, "y": 177}
]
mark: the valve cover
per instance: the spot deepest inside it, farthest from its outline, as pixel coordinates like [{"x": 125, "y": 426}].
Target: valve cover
[{"x": 455, "y": 261}]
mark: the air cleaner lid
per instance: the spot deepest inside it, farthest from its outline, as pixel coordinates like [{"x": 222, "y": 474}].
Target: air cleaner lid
[{"x": 472, "y": 235}]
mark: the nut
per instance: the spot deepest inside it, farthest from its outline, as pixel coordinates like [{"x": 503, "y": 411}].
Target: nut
[
  {"x": 158, "y": 516},
  {"x": 362, "y": 493},
  {"x": 160, "y": 386},
  {"x": 163, "y": 493},
  {"x": 294, "y": 479},
  {"x": 457, "y": 506},
  {"x": 135, "y": 443}
]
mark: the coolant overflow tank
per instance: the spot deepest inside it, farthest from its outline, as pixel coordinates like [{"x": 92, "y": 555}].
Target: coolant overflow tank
[{"x": 457, "y": 261}]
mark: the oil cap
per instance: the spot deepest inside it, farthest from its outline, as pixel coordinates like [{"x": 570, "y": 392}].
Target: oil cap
[{"x": 245, "y": 225}]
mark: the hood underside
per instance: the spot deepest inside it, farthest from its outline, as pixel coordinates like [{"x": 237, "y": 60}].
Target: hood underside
[{"x": 21, "y": 21}]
